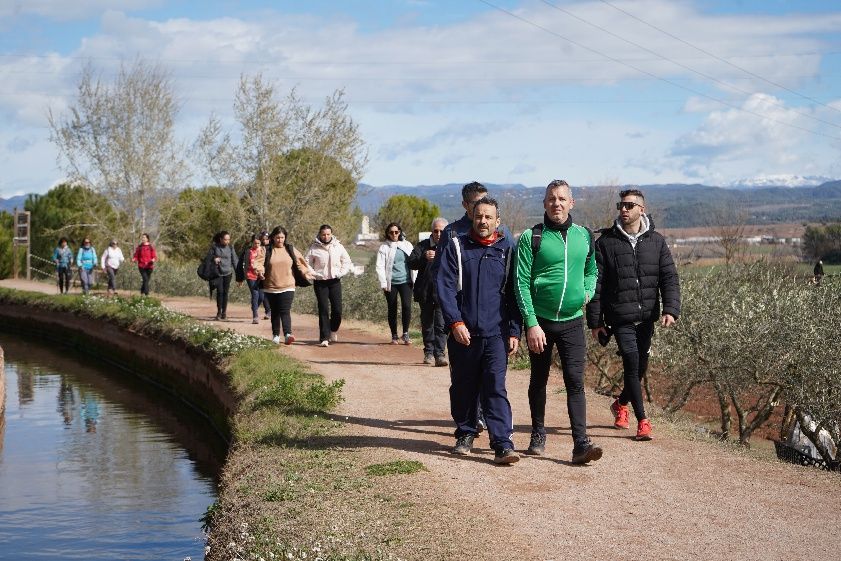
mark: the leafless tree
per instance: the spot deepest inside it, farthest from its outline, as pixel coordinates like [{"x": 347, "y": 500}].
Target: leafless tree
[
  {"x": 727, "y": 224},
  {"x": 118, "y": 139}
]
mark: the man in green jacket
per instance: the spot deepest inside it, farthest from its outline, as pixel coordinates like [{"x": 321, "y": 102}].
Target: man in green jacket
[{"x": 555, "y": 277}]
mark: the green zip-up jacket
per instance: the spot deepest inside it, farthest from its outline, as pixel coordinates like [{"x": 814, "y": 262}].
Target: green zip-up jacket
[{"x": 557, "y": 282}]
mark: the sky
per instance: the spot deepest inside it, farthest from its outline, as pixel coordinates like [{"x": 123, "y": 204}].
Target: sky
[{"x": 500, "y": 91}]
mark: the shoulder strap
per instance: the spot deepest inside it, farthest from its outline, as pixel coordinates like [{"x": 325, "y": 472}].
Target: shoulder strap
[
  {"x": 536, "y": 238},
  {"x": 592, "y": 242},
  {"x": 507, "y": 268},
  {"x": 458, "y": 258}
]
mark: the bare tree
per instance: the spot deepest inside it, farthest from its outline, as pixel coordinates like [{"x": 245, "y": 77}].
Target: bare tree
[
  {"x": 118, "y": 139},
  {"x": 728, "y": 224}
]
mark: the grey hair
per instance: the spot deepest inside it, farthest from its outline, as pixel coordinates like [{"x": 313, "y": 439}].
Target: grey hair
[{"x": 439, "y": 219}]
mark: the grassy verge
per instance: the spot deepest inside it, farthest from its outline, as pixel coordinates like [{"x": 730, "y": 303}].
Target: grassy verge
[{"x": 290, "y": 488}]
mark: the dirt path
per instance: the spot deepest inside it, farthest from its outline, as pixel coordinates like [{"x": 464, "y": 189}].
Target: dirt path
[{"x": 670, "y": 498}]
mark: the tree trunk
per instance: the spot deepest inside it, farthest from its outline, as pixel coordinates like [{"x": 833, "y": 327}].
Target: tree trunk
[
  {"x": 814, "y": 437},
  {"x": 724, "y": 406}
]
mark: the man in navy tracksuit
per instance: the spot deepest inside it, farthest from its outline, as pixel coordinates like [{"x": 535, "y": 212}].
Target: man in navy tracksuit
[{"x": 475, "y": 291}]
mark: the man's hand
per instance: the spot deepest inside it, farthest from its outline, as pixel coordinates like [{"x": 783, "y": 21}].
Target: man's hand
[
  {"x": 667, "y": 320},
  {"x": 536, "y": 339},
  {"x": 596, "y": 332},
  {"x": 429, "y": 254},
  {"x": 462, "y": 335},
  {"x": 513, "y": 345}
]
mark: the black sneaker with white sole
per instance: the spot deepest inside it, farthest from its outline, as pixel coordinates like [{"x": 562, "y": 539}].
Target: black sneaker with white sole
[
  {"x": 464, "y": 444},
  {"x": 505, "y": 456},
  {"x": 585, "y": 451}
]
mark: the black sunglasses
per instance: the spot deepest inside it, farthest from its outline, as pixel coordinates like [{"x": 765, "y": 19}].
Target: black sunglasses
[
  {"x": 394, "y": 231},
  {"x": 627, "y": 205}
]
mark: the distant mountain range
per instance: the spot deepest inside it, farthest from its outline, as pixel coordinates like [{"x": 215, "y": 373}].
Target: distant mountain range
[
  {"x": 13, "y": 202},
  {"x": 674, "y": 205}
]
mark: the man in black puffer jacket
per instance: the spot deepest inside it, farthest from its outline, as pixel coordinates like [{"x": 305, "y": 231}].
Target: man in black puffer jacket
[{"x": 636, "y": 270}]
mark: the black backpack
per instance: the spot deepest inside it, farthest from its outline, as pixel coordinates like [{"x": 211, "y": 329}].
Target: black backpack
[
  {"x": 300, "y": 278},
  {"x": 208, "y": 270}
]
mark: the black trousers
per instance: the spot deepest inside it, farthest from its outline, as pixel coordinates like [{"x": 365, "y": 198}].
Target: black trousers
[
  {"x": 432, "y": 326},
  {"x": 223, "y": 286},
  {"x": 328, "y": 294},
  {"x": 145, "y": 275},
  {"x": 634, "y": 345},
  {"x": 281, "y": 309},
  {"x": 568, "y": 336},
  {"x": 405, "y": 292},
  {"x": 65, "y": 276}
]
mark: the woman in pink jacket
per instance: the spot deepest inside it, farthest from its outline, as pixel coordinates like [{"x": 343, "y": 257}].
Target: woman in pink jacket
[{"x": 329, "y": 261}]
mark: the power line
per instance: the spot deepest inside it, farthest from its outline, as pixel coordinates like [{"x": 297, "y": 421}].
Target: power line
[
  {"x": 681, "y": 65},
  {"x": 713, "y": 55},
  {"x": 647, "y": 73}
]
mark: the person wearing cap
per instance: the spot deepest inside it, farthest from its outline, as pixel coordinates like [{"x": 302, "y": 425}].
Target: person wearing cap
[{"x": 112, "y": 258}]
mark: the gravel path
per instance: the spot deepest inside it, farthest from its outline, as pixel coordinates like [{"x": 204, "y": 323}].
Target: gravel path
[{"x": 670, "y": 498}]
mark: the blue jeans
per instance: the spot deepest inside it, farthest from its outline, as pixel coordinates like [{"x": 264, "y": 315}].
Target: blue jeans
[
  {"x": 256, "y": 296},
  {"x": 86, "y": 276}
]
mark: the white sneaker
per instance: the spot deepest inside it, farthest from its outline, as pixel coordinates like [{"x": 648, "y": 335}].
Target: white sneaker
[
  {"x": 334, "y": 336},
  {"x": 276, "y": 339},
  {"x": 325, "y": 343}
]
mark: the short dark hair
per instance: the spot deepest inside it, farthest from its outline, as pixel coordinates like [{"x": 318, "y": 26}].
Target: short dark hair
[
  {"x": 61, "y": 240},
  {"x": 487, "y": 201},
  {"x": 324, "y": 227},
  {"x": 394, "y": 225},
  {"x": 631, "y": 192},
  {"x": 217, "y": 239},
  {"x": 471, "y": 189}
]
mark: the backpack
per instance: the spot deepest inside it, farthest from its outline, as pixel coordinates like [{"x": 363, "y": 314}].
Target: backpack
[
  {"x": 300, "y": 278},
  {"x": 207, "y": 269}
]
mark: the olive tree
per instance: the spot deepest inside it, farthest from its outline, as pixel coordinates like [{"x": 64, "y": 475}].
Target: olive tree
[
  {"x": 414, "y": 214},
  {"x": 118, "y": 138}
]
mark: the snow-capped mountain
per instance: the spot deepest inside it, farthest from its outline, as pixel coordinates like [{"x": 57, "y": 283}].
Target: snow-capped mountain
[{"x": 781, "y": 180}]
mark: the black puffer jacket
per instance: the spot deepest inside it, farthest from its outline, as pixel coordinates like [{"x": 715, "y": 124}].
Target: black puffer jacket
[{"x": 631, "y": 283}]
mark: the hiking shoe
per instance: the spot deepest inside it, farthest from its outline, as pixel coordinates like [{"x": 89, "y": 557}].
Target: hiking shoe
[
  {"x": 643, "y": 430},
  {"x": 441, "y": 361},
  {"x": 266, "y": 316},
  {"x": 405, "y": 339},
  {"x": 289, "y": 339},
  {"x": 334, "y": 336},
  {"x": 224, "y": 315},
  {"x": 427, "y": 359},
  {"x": 464, "y": 444},
  {"x": 537, "y": 444},
  {"x": 506, "y": 456},
  {"x": 585, "y": 451},
  {"x": 255, "y": 320},
  {"x": 620, "y": 414},
  {"x": 324, "y": 344},
  {"x": 218, "y": 317},
  {"x": 395, "y": 340},
  {"x": 276, "y": 339}
]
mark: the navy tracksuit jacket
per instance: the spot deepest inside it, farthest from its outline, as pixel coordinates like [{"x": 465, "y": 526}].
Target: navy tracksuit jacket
[{"x": 491, "y": 316}]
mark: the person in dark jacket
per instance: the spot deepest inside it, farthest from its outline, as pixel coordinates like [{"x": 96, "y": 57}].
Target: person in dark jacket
[
  {"x": 636, "y": 270},
  {"x": 475, "y": 291},
  {"x": 432, "y": 322},
  {"x": 818, "y": 272},
  {"x": 226, "y": 260}
]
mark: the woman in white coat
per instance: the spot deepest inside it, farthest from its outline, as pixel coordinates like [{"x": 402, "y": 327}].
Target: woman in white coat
[
  {"x": 396, "y": 278},
  {"x": 329, "y": 261}
]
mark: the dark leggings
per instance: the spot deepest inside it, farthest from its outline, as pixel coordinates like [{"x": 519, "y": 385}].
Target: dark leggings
[
  {"x": 634, "y": 345},
  {"x": 145, "y": 275},
  {"x": 112, "y": 278},
  {"x": 328, "y": 294},
  {"x": 405, "y": 291},
  {"x": 65, "y": 275},
  {"x": 256, "y": 296},
  {"x": 281, "y": 306},
  {"x": 568, "y": 336},
  {"x": 223, "y": 285}
]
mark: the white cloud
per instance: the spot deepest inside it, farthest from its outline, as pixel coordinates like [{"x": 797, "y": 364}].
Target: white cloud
[{"x": 69, "y": 10}]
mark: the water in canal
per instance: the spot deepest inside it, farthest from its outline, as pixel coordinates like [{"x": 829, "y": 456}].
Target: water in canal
[{"x": 97, "y": 465}]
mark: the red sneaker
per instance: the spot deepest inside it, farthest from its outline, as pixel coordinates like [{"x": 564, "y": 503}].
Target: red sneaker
[
  {"x": 644, "y": 430},
  {"x": 620, "y": 414}
]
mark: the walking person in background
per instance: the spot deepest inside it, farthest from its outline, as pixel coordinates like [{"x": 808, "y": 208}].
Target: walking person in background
[
  {"x": 818, "y": 272},
  {"x": 86, "y": 262},
  {"x": 395, "y": 278},
  {"x": 145, "y": 257},
  {"x": 112, "y": 258},
  {"x": 265, "y": 241},
  {"x": 329, "y": 261},
  {"x": 225, "y": 258},
  {"x": 474, "y": 286},
  {"x": 63, "y": 259},
  {"x": 250, "y": 269},
  {"x": 635, "y": 270},
  {"x": 279, "y": 283},
  {"x": 432, "y": 321},
  {"x": 556, "y": 276}
]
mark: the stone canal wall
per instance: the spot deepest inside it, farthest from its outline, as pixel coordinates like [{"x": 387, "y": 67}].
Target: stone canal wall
[{"x": 175, "y": 368}]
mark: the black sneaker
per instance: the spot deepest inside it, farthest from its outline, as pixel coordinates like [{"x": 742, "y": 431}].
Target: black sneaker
[
  {"x": 537, "y": 444},
  {"x": 464, "y": 444},
  {"x": 480, "y": 424},
  {"x": 506, "y": 456},
  {"x": 585, "y": 451}
]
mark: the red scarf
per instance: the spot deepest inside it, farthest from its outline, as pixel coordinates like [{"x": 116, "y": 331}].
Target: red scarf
[{"x": 484, "y": 241}]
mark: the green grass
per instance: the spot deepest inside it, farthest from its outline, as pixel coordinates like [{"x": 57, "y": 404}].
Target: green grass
[{"x": 395, "y": 468}]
